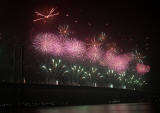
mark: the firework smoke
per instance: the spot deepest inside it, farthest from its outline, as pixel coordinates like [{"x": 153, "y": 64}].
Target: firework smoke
[
  {"x": 118, "y": 63},
  {"x": 142, "y": 69},
  {"x": 94, "y": 53},
  {"x": 48, "y": 43},
  {"x": 74, "y": 48}
]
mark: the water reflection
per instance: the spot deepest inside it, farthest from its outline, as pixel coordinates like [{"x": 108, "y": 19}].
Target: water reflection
[{"x": 112, "y": 108}]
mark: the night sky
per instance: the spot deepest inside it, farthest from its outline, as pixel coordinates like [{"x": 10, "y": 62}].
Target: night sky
[{"x": 129, "y": 24}]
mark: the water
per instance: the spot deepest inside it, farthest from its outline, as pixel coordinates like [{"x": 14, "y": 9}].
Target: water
[{"x": 110, "y": 108}]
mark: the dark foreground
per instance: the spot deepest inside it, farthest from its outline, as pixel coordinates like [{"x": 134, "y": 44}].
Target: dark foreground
[
  {"x": 107, "y": 108},
  {"x": 27, "y": 95}
]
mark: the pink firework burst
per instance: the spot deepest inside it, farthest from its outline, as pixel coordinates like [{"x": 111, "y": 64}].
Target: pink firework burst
[
  {"x": 121, "y": 63},
  {"x": 94, "y": 53},
  {"x": 118, "y": 63},
  {"x": 142, "y": 68},
  {"x": 74, "y": 48},
  {"x": 48, "y": 43},
  {"x": 44, "y": 42},
  {"x": 108, "y": 58},
  {"x": 58, "y": 47}
]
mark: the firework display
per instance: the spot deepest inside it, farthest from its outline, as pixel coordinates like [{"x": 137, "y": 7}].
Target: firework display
[
  {"x": 74, "y": 48},
  {"x": 58, "y": 47},
  {"x": 138, "y": 56},
  {"x": 48, "y": 43},
  {"x": 81, "y": 75},
  {"x": 44, "y": 42},
  {"x": 64, "y": 30},
  {"x": 43, "y": 17},
  {"x": 118, "y": 63},
  {"x": 94, "y": 43},
  {"x": 92, "y": 63},
  {"x": 142, "y": 69},
  {"x": 102, "y": 37},
  {"x": 55, "y": 70},
  {"x": 94, "y": 53},
  {"x": 112, "y": 66}
]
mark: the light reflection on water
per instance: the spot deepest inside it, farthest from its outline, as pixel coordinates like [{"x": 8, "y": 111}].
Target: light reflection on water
[{"x": 110, "y": 108}]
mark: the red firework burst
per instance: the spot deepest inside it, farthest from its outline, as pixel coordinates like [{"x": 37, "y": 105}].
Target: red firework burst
[
  {"x": 64, "y": 30},
  {"x": 94, "y": 43},
  {"x": 45, "y": 17}
]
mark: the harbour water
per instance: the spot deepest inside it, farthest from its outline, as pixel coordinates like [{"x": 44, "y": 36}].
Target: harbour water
[{"x": 108, "y": 108}]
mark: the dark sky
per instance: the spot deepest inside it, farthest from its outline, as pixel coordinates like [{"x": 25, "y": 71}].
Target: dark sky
[{"x": 120, "y": 19}]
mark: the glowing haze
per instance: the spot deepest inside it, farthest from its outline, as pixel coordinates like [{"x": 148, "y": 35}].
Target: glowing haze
[
  {"x": 118, "y": 63},
  {"x": 142, "y": 68},
  {"x": 43, "y": 42},
  {"x": 58, "y": 47},
  {"x": 74, "y": 48},
  {"x": 94, "y": 53},
  {"x": 49, "y": 43}
]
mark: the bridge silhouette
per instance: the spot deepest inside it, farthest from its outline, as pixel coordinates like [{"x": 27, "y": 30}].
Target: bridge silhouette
[{"x": 36, "y": 95}]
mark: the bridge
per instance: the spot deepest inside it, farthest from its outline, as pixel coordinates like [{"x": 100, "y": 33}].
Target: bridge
[{"x": 36, "y": 95}]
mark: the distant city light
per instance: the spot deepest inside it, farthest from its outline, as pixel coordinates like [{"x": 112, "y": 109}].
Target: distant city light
[{"x": 111, "y": 86}]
